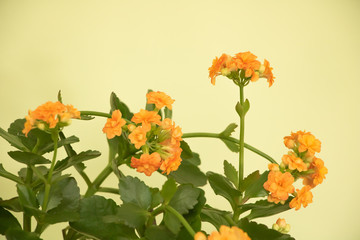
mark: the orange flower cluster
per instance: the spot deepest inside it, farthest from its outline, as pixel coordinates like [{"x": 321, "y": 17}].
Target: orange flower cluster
[
  {"x": 225, "y": 233},
  {"x": 280, "y": 185},
  {"x": 49, "y": 115},
  {"x": 300, "y": 162},
  {"x": 159, "y": 140},
  {"x": 245, "y": 61}
]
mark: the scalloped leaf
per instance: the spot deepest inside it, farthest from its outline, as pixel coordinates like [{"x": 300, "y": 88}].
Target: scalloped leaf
[
  {"x": 132, "y": 190},
  {"x": 231, "y": 173},
  {"x": 214, "y": 216},
  {"x": 76, "y": 159},
  {"x": 185, "y": 198},
  {"x": 227, "y": 133},
  {"x": 28, "y": 158},
  {"x": 7, "y": 221},
  {"x": 115, "y": 104}
]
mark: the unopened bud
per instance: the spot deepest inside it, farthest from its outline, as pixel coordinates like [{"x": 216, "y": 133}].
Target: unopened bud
[
  {"x": 262, "y": 69},
  {"x": 281, "y": 226},
  {"x": 225, "y": 71},
  {"x": 41, "y": 126},
  {"x": 131, "y": 127}
]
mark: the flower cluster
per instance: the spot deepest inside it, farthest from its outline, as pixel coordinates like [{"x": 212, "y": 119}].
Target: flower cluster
[
  {"x": 300, "y": 162},
  {"x": 50, "y": 115},
  {"x": 230, "y": 66},
  {"x": 158, "y": 140},
  {"x": 225, "y": 233}
]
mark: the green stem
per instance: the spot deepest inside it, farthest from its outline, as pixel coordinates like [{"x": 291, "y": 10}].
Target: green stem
[
  {"x": 181, "y": 219},
  {"x": 109, "y": 190},
  {"x": 48, "y": 182},
  {"x": 95, "y": 185},
  {"x": 241, "y": 138},
  {"x": 230, "y": 139},
  {"x": 26, "y": 217},
  {"x": 94, "y": 113}
]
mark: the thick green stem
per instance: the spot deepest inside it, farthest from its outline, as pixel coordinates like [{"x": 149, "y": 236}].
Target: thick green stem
[
  {"x": 181, "y": 219},
  {"x": 94, "y": 113},
  {"x": 48, "y": 182},
  {"x": 241, "y": 138},
  {"x": 26, "y": 217},
  {"x": 231, "y": 139},
  {"x": 94, "y": 187}
]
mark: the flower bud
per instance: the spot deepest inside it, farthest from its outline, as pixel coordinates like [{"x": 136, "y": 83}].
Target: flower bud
[
  {"x": 131, "y": 127},
  {"x": 262, "y": 69},
  {"x": 225, "y": 71},
  {"x": 281, "y": 226},
  {"x": 41, "y": 126}
]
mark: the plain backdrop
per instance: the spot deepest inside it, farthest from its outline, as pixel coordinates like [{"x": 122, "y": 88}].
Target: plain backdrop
[{"x": 88, "y": 49}]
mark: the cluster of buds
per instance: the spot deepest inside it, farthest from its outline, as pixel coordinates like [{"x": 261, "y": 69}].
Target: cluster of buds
[
  {"x": 158, "y": 140},
  {"x": 50, "y": 115},
  {"x": 281, "y": 226},
  {"x": 300, "y": 162},
  {"x": 246, "y": 62}
]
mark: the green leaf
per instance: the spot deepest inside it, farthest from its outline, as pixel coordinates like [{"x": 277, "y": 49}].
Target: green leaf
[
  {"x": 223, "y": 187},
  {"x": 260, "y": 232},
  {"x": 132, "y": 190},
  {"x": 59, "y": 97},
  {"x": 50, "y": 146},
  {"x": 256, "y": 189},
  {"x": 130, "y": 215},
  {"x": 185, "y": 198},
  {"x": 13, "y": 140},
  {"x": 186, "y": 153},
  {"x": 168, "y": 190},
  {"x": 115, "y": 104},
  {"x": 64, "y": 201},
  {"x": 92, "y": 221},
  {"x": 18, "y": 234},
  {"x": 242, "y": 109},
  {"x": 76, "y": 159},
  {"x": 7, "y": 221},
  {"x": 214, "y": 216},
  {"x": 9, "y": 175},
  {"x": 28, "y": 199},
  {"x": 159, "y": 233},
  {"x": 227, "y": 133},
  {"x": 156, "y": 197},
  {"x": 167, "y": 113},
  {"x": 28, "y": 158},
  {"x": 189, "y": 173},
  {"x": 121, "y": 146},
  {"x": 12, "y": 204},
  {"x": 172, "y": 222},
  {"x": 231, "y": 173},
  {"x": 263, "y": 208},
  {"x": 194, "y": 159},
  {"x": 195, "y": 225},
  {"x": 249, "y": 180}
]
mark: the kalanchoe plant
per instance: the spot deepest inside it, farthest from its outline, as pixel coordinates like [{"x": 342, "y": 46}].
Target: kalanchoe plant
[{"x": 150, "y": 142}]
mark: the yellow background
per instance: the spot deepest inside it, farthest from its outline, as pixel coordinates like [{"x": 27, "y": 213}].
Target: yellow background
[{"x": 87, "y": 49}]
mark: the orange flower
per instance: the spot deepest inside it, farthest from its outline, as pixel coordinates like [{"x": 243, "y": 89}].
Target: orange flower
[
  {"x": 113, "y": 125},
  {"x": 291, "y": 141},
  {"x": 160, "y": 99},
  {"x": 279, "y": 185},
  {"x": 309, "y": 143},
  {"x": 147, "y": 164},
  {"x": 267, "y": 73},
  {"x": 303, "y": 197},
  {"x": 273, "y": 167},
  {"x": 227, "y": 233},
  {"x": 173, "y": 162},
  {"x": 200, "y": 236},
  {"x": 320, "y": 171},
  {"x": 49, "y": 113},
  {"x": 217, "y": 65},
  {"x": 294, "y": 162},
  {"x": 247, "y": 61},
  {"x": 138, "y": 136},
  {"x": 146, "y": 117}
]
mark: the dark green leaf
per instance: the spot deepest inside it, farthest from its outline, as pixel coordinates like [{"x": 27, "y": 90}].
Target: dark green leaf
[
  {"x": 185, "y": 198},
  {"x": 263, "y": 208},
  {"x": 231, "y": 173},
  {"x": 223, "y": 187},
  {"x": 189, "y": 173},
  {"x": 76, "y": 159},
  {"x": 115, "y": 104},
  {"x": 18, "y": 234},
  {"x": 172, "y": 222},
  {"x": 194, "y": 159},
  {"x": 7, "y": 221},
  {"x": 28, "y": 199},
  {"x": 234, "y": 147},
  {"x": 59, "y": 96},
  {"x": 9, "y": 175},
  {"x": 249, "y": 180},
  {"x": 256, "y": 189},
  {"x": 195, "y": 225},
  {"x": 168, "y": 190},
  {"x": 28, "y": 158},
  {"x": 13, "y": 140},
  {"x": 156, "y": 197},
  {"x": 214, "y": 216},
  {"x": 50, "y": 146},
  {"x": 41, "y": 169},
  {"x": 260, "y": 232},
  {"x": 93, "y": 212},
  {"x": 167, "y": 113},
  {"x": 130, "y": 215},
  {"x": 186, "y": 153},
  {"x": 159, "y": 233},
  {"x": 12, "y": 204},
  {"x": 132, "y": 190},
  {"x": 64, "y": 201}
]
